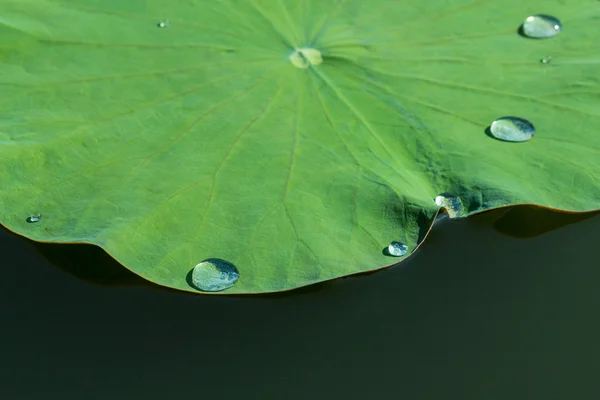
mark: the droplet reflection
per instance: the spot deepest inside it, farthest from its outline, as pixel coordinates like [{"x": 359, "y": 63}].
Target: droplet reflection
[
  {"x": 306, "y": 57},
  {"x": 214, "y": 275},
  {"x": 452, "y": 204},
  {"x": 512, "y": 129},
  {"x": 33, "y": 218},
  {"x": 397, "y": 249},
  {"x": 541, "y": 26}
]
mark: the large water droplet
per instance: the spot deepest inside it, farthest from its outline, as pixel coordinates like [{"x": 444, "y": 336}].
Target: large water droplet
[
  {"x": 546, "y": 60},
  {"x": 397, "y": 249},
  {"x": 33, "y": 218},
  {"x": 163, "y": 24},
  {"x": 452, "y": 204},
  {"x": 305, "y": 57},
  {"x": 541, "y": 26},
  {"x": 512, "y": 129},
  {"x": 214, "y": 275}
]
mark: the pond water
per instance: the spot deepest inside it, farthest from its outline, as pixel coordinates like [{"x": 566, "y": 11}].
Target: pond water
[{"x": 475, "y": 314}]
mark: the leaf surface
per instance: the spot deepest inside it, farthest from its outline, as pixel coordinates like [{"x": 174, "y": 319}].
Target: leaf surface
[{"x": 168, "y": 133}]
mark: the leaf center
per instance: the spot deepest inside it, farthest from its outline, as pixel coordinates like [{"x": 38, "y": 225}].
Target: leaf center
[{"x": 305, "y": 57}]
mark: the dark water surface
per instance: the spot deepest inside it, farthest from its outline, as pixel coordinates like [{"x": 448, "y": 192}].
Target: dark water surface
[{"x": 475, "y": 314}]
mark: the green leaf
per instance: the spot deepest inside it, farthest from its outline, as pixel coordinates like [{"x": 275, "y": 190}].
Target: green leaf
[{"x": 168, "y": 133}]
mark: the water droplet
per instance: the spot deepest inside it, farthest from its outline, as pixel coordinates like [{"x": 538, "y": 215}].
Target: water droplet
[
  {"x": 452, "y": 204},
  {"x": 214, "y": 275},
  {"x": 163, "y": 24},
  {"x": 546, "y": 60},
  {"x": 512, "y": 129},
  {"x": 541, "y": 26},
  {"x": 33, "y": 218},
  {"x": 305, "y": 57},
  {"x": 397, "y": 249}
]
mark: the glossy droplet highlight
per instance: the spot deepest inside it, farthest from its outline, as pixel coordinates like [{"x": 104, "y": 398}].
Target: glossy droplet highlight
[
  {"x": 397, "y": 249},
  {"x": 163, "y": 24},
  {"x": 512, "y": 129},
  {"x": 541, "y": 26},
  {"x": 33, "y": 218},
  {"x": 305, "y": 57},
  {"x": 546, "y": 60},
  {"x": 452, "y": 204},
  {"x": 214, "y": 275}
]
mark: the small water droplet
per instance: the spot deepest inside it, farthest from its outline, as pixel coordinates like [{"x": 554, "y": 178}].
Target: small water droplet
[
  {"x": 452, "y": 204},
  {"x": 305, "y": 57},
  {"x": 512, "y": 129},
  {"x": 541, "y": 26},
  {"x": 214, "y": 275},
  {"x": 397, "y": 249},
  {"x": 33, "y": 218},
  {"x": 546, "y": 60},
  {"x": 163, "y": 24}
]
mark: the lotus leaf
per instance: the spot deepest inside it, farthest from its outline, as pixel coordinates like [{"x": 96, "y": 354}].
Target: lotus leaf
[{"x": 295, "y": 139}]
